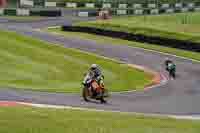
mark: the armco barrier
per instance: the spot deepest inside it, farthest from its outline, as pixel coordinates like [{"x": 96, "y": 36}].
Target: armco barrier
[
  {"x": 121, "y": 12},
  {"x": 180, "y": 44},
  {"x": 169, "y": 10},
  {"x": 165, "y": 6},
  {"x": 71, "y": 5},
  {"x": 50, "y": 4},
  {"x": 154, "y": 11},
  {"x": 139, "y": 12},
  {"x": 106, "y": 5},
  {"x": 151, "y": 5},
  {"x": 122, "y": 5},
  {"x": 137, "y": 6},
  {"x": 90, "y": 5},
  {"x": 27, "y": 3}
]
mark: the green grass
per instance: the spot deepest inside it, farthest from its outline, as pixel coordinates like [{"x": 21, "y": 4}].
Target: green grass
[
  {"x": 109, "y": 40},
  {"x": 34, "y": 120},
  {"x": 182, "y": 26},
  {"x": 27, "y": 63}
]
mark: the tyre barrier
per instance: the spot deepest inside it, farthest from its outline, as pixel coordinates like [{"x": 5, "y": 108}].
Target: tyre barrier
[
  {"x": 51, "y": 13},
  {"x": 31, "y": 12},
  {"x": 10, "y": 12},
  {"x": 167, "y": 42}
]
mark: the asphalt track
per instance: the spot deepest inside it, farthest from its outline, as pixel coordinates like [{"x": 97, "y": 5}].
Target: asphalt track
[{"x": 177, "y": 97}]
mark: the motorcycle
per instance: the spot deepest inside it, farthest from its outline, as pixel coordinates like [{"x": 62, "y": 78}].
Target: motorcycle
[
  {"x": 171, "y": 68},
  {"x": 95, "y": 90}
]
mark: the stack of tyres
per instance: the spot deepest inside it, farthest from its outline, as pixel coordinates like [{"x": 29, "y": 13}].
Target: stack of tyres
[{"x": 10, "y": 12}]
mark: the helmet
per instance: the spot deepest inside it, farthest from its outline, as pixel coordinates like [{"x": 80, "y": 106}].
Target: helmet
[
  {"x": 94, "y": 66},
  {"x": 167, "y": 58}
]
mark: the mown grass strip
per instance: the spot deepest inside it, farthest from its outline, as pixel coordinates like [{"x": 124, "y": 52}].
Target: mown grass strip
[
  {"x": 27, "y": 63},
  {"x": 37, "y": 120},
  {"x": 183, "y": 26}
]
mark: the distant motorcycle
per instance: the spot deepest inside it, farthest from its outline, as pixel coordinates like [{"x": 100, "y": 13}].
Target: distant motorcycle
[
  {"x": 95, "y": 90},
  {"x": 171, "y": 68}
]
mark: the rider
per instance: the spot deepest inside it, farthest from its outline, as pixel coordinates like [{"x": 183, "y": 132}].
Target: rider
[
  {"x": 170, "y": 67},
  {"x": 167, "y": 62},
  {"x": 93, "y": 74},
  {"x": 96, "y": 72}
]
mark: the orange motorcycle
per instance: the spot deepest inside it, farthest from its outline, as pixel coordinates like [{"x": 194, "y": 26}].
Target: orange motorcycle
[{"x": 95, "y": 90}]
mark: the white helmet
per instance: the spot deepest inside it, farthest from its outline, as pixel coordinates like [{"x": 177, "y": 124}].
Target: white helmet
[
  {"x": 166, "y": 58},
  {"x": 93, "y": 66}
]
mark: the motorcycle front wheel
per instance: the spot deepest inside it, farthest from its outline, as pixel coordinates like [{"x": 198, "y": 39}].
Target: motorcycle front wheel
[{"x": 85, "y": 94}]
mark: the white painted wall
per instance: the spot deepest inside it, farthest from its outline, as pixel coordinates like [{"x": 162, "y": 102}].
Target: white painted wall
[
  {"x": 106, "y": 5},
  {"x": 139, "y": 12},
  {"x": 90, "y": 5},
  {"x": 50, "y": 4},
  {"x": 1, "y": 11},
  {"x": 122, "y": 5},
  {"x": 165, "y": 5},
  {"x": 184, "y": 9},
  {"x": 169, "y": 10},
  {"x": 71, "y": 5},
  {"x": 154, "y": 11},
  {"x": 27, "y": 3},
  {"x": 23, "y": 12},
  {"x": 197, "y": 9},
  {"x": 151, "y": 5},
  {"x": 137, "y": 6},
  {"x": 190, "y": 5},
  {"x": 83, "y": 14},
  {"x": 178, "y": 5},
  {"x": 121, "y": 12}
]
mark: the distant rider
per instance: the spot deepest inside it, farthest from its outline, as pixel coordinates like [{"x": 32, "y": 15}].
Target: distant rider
[
  {"x": 170, "y": 67},
  {"x": 167, "y": 62}
]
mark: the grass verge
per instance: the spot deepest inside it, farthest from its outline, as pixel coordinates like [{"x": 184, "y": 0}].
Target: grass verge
[
  {"x": 37, "y": 120},
  {"x": 109, "y": 40},
  {"x": 27, "y": 63},
  {"x": 182, "y": 26}
]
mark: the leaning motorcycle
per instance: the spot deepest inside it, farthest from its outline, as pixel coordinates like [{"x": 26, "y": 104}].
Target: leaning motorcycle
[{"x": 95, "y": 90}]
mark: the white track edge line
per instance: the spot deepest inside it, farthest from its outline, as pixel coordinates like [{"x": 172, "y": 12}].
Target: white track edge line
[{"x": 189, "y": 117}]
